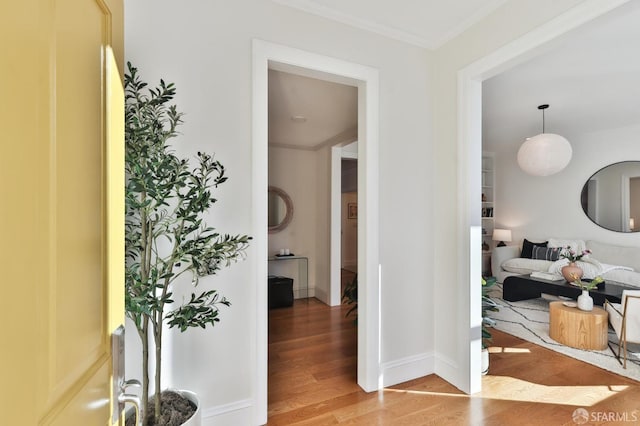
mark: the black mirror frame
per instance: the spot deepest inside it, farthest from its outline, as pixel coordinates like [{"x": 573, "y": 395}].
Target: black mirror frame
[{"x": 583, "y": 196}]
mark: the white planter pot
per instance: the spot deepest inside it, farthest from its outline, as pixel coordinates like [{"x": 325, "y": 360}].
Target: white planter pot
[
  {"x": 195, "y": 420},
  {"x": 484, "y": 364}
]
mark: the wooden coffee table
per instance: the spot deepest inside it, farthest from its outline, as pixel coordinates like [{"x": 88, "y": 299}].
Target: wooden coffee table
[{"x": 576, "y": 328}]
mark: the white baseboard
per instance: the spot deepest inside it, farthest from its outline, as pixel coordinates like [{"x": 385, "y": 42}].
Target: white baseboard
[
  {"x": 232, "y": 414},
  {"x": 310, "y": 292},
  {"x": 447, "y": 369},
  {"x": 320, "y": 294},
  {"x": 408, "y": 368}
]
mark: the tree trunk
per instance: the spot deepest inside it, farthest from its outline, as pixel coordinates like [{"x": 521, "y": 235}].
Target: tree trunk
[
  {"x": 158, "y": 342},
  {"x": 145, "y": 367}
]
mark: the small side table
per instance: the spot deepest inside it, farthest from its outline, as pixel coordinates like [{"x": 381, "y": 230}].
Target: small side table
[{"x": 576, "y": 328}]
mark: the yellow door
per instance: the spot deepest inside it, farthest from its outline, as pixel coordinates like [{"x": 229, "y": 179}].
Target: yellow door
[{"x": 61, "y": 209}]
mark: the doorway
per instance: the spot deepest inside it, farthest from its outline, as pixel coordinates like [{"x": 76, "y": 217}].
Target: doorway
[
  {"x": 308, "y": 117},
  {"x": 348, "y": 222},
  {"x": 349, "y": 215},
  {"x": 469, "y": 121},
  {"x": 272, "y": 56}
]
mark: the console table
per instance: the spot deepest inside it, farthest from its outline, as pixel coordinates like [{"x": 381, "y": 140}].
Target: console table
[{"x": 303, "y": 273}]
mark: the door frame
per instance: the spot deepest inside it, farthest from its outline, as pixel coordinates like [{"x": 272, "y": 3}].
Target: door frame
[{"x": 267, "y": 55}]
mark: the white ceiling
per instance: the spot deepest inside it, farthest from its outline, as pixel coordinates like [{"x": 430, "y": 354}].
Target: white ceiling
[
  {"x": 425, "y": 23},
  {"x": 590, "y": 78},
  {"x": 330, "y": 111},
  {"x": 330, "y": 108}
]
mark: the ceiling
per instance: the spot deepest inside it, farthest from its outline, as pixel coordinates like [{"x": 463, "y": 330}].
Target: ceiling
[
  {"x": 331, "y": 109},
  {"x": 307, "y": 113},
  {"x": 424, "y": 23},
  {"x": 590, "y": 77}
]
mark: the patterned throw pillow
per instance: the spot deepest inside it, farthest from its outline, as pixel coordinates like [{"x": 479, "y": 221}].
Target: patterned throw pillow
[
  {"x": 546, "y": 253},
  {"x": 527, "y": 247}
]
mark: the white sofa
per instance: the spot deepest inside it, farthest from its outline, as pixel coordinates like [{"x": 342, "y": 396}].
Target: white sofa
[{"x": 506, "y": 261}]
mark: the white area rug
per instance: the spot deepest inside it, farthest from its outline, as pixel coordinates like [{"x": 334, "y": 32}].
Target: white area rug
[{"x": 529, "y": 320}]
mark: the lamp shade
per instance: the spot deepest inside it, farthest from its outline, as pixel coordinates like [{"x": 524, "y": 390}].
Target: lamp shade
[
  {"x": 544, "y": 154},
  {"x": 501, "y": 235}
]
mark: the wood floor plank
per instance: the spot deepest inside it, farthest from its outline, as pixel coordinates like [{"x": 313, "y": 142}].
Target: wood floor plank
[{"x": 312, "y": 381}]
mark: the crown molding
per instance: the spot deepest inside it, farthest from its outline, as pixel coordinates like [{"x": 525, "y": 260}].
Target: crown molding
[
  {"x": 353, "y": 21},
  {"x": 461, "y": 27},
  {"x": 310, "y": 6}
]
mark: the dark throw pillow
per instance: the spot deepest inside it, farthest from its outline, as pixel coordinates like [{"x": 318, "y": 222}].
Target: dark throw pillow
[
  {"x": 545, "y": 253},
  {"x": 527, "y": 248}
]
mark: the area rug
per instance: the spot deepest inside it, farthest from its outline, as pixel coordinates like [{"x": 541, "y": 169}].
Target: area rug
[{"x": 529, "y": 320}]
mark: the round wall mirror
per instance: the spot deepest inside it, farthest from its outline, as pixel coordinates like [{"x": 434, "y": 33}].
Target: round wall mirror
[
  {"x": 280, "y": 209},
  {"x": 611, "y": 197}
]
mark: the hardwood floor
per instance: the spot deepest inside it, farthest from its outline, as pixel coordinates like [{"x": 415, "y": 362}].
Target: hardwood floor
[{"x": 312, "y": 381}]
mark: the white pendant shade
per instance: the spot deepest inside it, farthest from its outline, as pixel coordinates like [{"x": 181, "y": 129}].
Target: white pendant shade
[{"x": 544, "y": 154}]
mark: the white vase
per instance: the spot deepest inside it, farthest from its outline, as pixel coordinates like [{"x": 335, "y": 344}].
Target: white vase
[
  {"x": 585, "y": 302},
  {"x": 484, "y": 364}
]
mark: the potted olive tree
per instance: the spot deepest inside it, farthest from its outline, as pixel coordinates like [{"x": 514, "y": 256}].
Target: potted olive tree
[
  {"x": 488, "y": 305},
  {"x": 350, "y": 297},
  {"x": 165, "y": 235}
]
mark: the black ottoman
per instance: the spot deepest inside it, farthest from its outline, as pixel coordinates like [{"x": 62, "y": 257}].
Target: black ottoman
[{"x": 280, "y": 292}]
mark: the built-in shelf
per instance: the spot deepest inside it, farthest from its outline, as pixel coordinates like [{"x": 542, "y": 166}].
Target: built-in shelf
[{"x": 488, "y": 212}]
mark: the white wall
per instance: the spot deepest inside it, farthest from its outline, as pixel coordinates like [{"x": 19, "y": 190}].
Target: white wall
[
  {"x": 292, "y": 170},
  {"x": 535, "y": 207},
  {"x": 323, "y": 223},
  {"x": 204, "y": 46}
]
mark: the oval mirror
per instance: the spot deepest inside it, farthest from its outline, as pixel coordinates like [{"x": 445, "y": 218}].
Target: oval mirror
[
  {"x": 280, "y": 209},
  {"x": 611, "y": 197}
]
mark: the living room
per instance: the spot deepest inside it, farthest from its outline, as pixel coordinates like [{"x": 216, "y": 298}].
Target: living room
[{"x": 589, "y": 80}]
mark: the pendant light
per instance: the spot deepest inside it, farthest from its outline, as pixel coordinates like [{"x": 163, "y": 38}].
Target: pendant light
[{"x": 545, "y": 154}]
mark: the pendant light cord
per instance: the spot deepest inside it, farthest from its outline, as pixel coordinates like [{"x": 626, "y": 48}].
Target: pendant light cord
[{"x": 543, "y": 107}]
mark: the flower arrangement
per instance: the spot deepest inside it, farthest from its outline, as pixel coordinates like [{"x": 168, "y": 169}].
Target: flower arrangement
[
  {"x": 571, "y": 255},
  {"x": 586, "y": 285}
]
